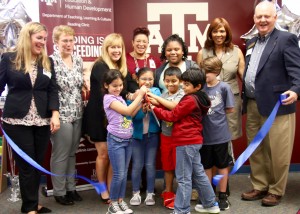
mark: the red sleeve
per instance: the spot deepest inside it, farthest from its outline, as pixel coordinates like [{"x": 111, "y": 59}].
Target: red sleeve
[{"x": 182, "y": 109}]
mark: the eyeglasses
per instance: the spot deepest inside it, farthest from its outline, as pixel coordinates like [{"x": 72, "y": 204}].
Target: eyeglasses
[
  {"x": 146, "y": 79},
  {"x": 67, "y": 41}
]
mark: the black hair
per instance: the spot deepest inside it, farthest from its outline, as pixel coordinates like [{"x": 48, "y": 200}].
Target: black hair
[
  {"x": 195, "y": 76},
  {"x": 144, "y": 70},
  {"x": 177, "y": 38},
  {"x": 110, "y": 76},
  {"x": 170, "y": 71},
  {"x": 140, "y": 30}
]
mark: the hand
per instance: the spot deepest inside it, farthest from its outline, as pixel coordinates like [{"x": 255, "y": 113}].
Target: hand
[
  {"x": 152, "y": 95},
  {"x": 146, "y": 107},
  {"x": 153, "y": 101},
  {"x": 143, "y": 90},
  {"x": 292, "y": 97},
  {"x": 134, "y": 76},
  {"x": 54, "y": 122},
  {"x": 86, "y": 82}
]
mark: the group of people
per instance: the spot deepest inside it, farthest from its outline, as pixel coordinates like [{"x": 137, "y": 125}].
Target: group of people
[{"x": 138, "y": 103}]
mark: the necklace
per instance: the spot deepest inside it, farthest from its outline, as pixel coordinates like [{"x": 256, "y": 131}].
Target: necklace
[
  {"x": 137, "y": 68},
  {"x": 219, "y": 55}
]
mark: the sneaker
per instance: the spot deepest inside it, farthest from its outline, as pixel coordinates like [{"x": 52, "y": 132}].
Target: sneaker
[
  {"x": 169, "y": 198},
  {"x": 149, "y": 201},
  {"x": 114, "y": 208},
  {"x": 171, "y": 204},
  {"x": 214, "y": 209},
  {"x": 223, "y": 201},
  {"x": 136, "y": 199},
  {"x": 124, "y": 207},
  {"x": 194, "y": 196}
]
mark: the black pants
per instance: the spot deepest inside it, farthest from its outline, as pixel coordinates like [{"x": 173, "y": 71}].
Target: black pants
[{"x": 33, "y": 140}]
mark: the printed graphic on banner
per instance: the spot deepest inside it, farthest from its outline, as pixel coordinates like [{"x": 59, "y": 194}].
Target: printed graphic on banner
[
  {"x": 92, "y": 20},
  {"x": 179, "y": 13}
]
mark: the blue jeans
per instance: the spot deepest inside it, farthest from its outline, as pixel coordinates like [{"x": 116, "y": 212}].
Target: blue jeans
[
  {"x": 144, "y": 154},
  {"x": 119, "y": 153},
  {"x": 188, "y": 163}
]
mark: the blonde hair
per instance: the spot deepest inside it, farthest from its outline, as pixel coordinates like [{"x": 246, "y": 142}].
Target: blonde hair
[
  {"x": 23, "y": 48},
  {"x": 59, "y": 30},
  {"x": 112, "y": 40},
  {"x": 211, "y": 65}
]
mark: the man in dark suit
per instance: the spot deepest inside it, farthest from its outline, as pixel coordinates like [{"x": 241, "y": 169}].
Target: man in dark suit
[{"x": 272, "y": 68}]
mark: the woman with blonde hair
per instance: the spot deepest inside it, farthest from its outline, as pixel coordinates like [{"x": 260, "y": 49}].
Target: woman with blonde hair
[
  {"x": 69, "y": 74},
  {"x": 94, "y": 122},
  {"x": 30, "y": 112}
]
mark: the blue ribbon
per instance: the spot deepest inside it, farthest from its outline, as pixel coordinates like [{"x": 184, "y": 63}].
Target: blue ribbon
[
  {"x": 254, "y": 143},
  {"x": 99, "y": 187}
]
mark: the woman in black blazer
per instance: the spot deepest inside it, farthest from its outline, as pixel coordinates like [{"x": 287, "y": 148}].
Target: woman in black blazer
[{"x": 31, "y": 109}]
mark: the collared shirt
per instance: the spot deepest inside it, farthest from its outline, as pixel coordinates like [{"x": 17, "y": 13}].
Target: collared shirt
[{"x": 253, "y": 64}]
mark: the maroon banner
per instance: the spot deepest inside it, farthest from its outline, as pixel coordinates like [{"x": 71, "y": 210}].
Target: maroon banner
[
  {"x": 189, "y": 19},
  {"x": 92, "y": 20}
]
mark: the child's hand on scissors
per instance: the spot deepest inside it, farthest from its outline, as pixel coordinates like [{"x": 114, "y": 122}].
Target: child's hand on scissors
[{"x": 143, "y": 90}]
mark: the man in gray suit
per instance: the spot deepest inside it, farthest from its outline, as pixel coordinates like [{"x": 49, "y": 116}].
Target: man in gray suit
[{"x": 272, "y": 68}]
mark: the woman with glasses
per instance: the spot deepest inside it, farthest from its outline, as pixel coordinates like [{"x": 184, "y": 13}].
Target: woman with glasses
[{"x": 69, "y": 73}]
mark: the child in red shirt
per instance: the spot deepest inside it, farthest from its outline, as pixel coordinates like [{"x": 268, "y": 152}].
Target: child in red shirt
[{"x": 187, "y": 137}]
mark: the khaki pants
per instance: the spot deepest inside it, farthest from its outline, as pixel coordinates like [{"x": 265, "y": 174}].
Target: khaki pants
[{"x": 271, "y": 160}]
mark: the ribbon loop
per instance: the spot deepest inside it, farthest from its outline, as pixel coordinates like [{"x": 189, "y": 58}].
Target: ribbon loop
[
  {"x": 255, "y": 142},
  {"x": 99, "y": 187}
]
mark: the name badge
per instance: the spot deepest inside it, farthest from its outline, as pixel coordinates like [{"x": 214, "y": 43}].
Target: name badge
[
  {"x": 47, "y": 73},
  {"x": 152, "y": 63},
  {"x": 249, "y": 52}
]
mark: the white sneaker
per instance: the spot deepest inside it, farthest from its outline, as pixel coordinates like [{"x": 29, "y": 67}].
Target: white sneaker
[
  {"x": 124, "y": 207},
  {"x": 136, "y": 199},
  {"x": 214, "y": 209},
  {"x": 149, "y": 201},
  {"x": 114, "y": 208}
]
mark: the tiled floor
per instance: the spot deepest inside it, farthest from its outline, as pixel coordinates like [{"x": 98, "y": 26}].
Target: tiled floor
[{"x": 238, "y": 183}]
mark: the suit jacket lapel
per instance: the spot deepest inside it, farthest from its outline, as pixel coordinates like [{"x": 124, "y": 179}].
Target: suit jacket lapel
[{"x": 268, "y": 50}]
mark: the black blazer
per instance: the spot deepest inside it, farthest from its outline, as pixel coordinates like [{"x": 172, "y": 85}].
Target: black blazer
[
  {"x": 20, "y": 89},
  {"x": 277, "y": 72}
]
